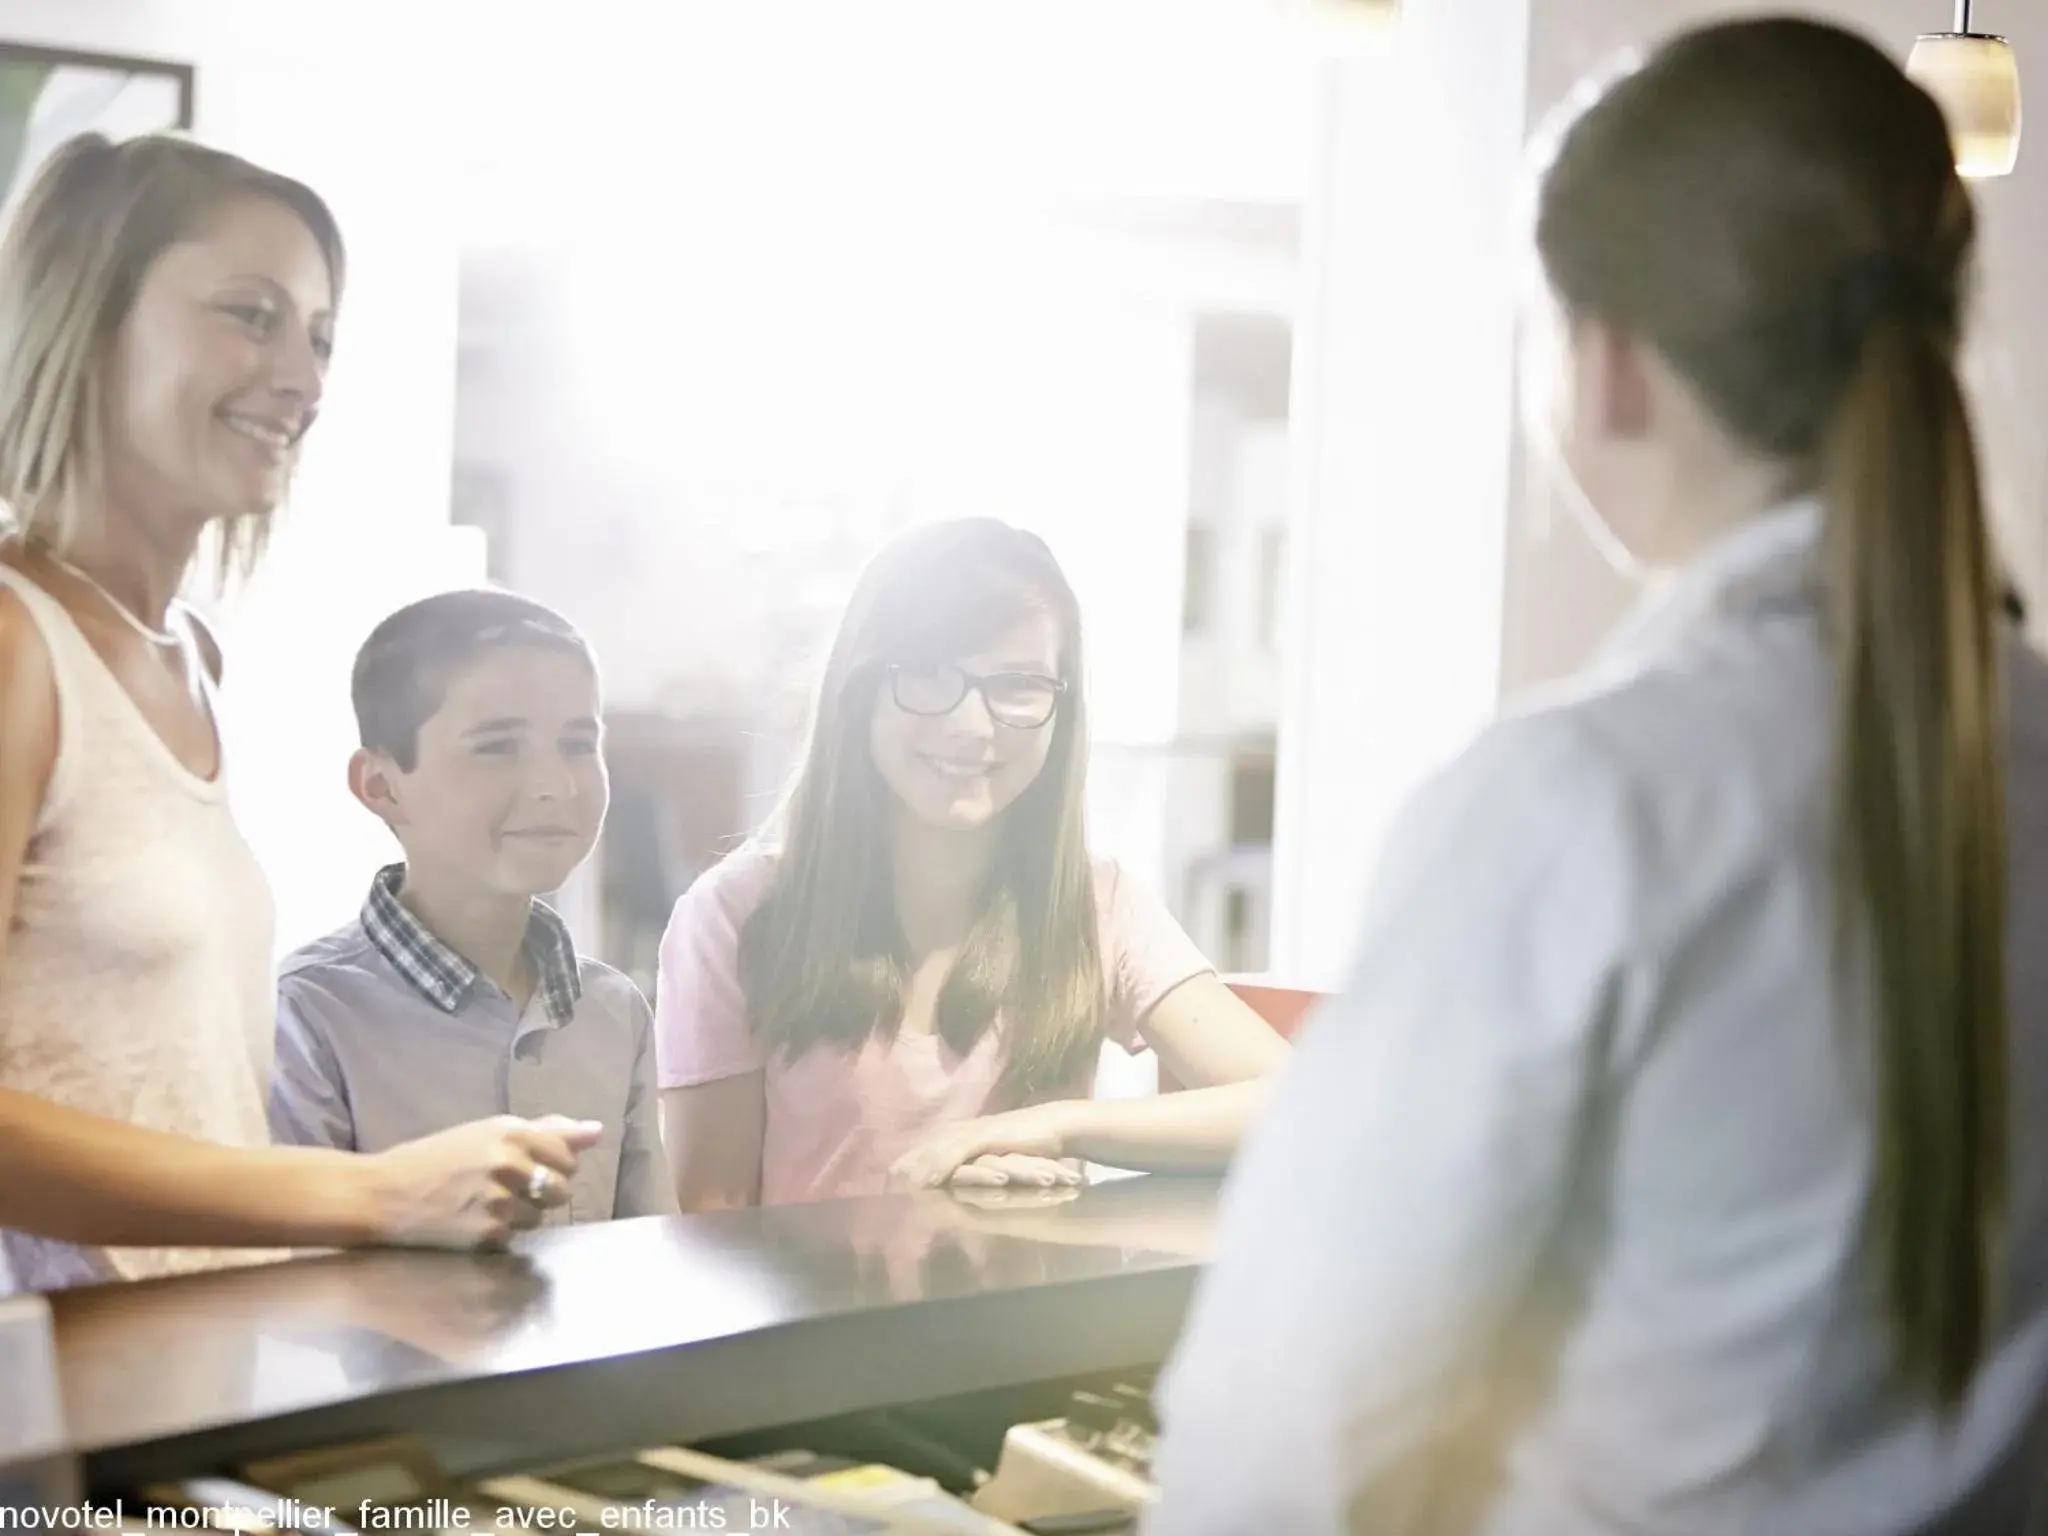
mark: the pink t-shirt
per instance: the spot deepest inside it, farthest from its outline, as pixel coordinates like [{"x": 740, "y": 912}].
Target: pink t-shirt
[{"x": 836, "y": 1119}]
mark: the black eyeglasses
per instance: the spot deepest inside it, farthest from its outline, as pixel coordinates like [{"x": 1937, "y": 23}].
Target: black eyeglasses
[{"x": 1023, "y": 701}]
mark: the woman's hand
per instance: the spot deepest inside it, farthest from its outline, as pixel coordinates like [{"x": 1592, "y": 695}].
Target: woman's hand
[
  {"x": 986, "y": 1151},
  {"x": 475, "y": 1185}
]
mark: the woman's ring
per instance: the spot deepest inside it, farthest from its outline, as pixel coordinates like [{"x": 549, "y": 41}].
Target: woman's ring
[{"x": 537, "y": 1185}]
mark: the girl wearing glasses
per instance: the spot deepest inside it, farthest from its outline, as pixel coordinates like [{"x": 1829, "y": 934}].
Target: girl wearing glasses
[{"x": 910, "y": 982}]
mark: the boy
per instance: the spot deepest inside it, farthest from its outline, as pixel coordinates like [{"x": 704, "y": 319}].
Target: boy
[{"x": 457, "y": 995}]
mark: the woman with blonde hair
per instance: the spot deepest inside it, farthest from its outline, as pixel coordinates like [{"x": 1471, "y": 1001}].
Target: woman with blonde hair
[{"x": 166, "y": 314}]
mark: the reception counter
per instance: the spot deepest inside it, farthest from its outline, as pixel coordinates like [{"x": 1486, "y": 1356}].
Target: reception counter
[{"x": 596, "y": 1340}]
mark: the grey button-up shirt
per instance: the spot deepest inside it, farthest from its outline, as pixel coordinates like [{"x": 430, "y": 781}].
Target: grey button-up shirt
[{"x": 385, "y": 1034}]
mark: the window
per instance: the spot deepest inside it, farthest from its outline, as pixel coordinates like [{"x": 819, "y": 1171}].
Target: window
[
  {"x": 1237, "y": 924},
  {"x": 1198, "y": 597},
  {"x": 482, "y": 498},
  {"x": 1251, "y": 802},
  {"x": 1272, "y": 581}
]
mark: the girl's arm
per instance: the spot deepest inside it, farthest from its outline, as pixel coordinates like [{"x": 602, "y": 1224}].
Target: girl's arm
[
  {"x": 1205, "y": 1036},
  {"x": 713, "y": 1132},
  {"x": 714, "y": 1113}
]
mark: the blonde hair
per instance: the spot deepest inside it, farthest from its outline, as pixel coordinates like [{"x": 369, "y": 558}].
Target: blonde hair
[{"x": 71, "y": 263}]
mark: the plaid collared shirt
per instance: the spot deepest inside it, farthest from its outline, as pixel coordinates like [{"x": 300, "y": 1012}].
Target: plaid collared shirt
[{"x": 447, "y": 980}]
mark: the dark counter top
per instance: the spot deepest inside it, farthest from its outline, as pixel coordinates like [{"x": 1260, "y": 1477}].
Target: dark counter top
[{"x": 595, "y": 1339}]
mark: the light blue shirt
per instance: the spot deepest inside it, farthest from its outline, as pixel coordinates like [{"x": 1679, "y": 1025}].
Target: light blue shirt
[
  {"x": 384, "y": 1035},
  {"x": 1552, "y": 1228}
]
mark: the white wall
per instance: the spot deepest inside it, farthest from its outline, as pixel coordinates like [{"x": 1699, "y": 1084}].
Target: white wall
[
  {"x": 1402, "y": 411},
  {"x": 1426, "y": 537},
  {"x": 303, "y": 89}
]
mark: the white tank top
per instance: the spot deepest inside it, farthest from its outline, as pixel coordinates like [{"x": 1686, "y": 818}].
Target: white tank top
[{"x": 136, "y": 982}]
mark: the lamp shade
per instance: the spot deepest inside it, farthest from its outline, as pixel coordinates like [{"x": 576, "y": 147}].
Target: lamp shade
[{"x": 1977, "y": 81}]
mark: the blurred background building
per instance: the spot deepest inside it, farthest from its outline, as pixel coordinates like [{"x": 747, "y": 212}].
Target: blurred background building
[
  {"x": 833, "y": 291},
  {"x": 671, "y": 314}
]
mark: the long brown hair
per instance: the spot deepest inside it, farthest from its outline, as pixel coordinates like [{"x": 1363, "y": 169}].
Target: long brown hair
[
  {"x": 97, "y": 215},
  {"x": 822, "y": 959},
  {"x": 1774, "y": 207}
]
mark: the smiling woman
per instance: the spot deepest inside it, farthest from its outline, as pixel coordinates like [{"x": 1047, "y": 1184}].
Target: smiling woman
[
  {"x": 166, "y": 315},
  {"x": 202, "y": 366}
]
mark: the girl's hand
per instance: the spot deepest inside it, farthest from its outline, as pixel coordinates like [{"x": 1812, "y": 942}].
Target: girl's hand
[
  {"x": 1036, "y": 1135},
  {"x": 1015, "y": 1170}
]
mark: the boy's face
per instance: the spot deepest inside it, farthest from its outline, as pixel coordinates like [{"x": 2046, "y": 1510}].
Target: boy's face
[{"x": 508, "y": 791}]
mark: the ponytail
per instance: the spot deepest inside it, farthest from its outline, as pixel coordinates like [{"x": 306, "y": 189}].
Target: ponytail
[
  {"x": 1774, "y": 206},
  {"x": 1920, "y": 836}
]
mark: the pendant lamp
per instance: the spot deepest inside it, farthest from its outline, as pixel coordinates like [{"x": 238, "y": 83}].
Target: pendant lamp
[{"x": 1976, "y": 78}]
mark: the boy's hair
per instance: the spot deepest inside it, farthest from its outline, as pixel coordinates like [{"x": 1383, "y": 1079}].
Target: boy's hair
[{"x": 403, "y": 670}]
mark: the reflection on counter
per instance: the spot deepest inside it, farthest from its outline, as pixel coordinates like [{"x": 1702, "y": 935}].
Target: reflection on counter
[
  {"x": 283, "y": 1337},
  {"x": 973, "y": 1362},
  {"x": 255, "y": 1343}
]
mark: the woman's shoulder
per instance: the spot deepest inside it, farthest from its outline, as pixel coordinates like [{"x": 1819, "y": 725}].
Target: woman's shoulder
[
  {"x": 25, "y": 615},
  {"x": 29, "y": 702},
  {"x": 22, "y": 646}
]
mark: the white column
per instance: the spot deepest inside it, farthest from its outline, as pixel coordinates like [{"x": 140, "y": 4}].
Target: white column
[{"x": 1402, "y": 453}]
